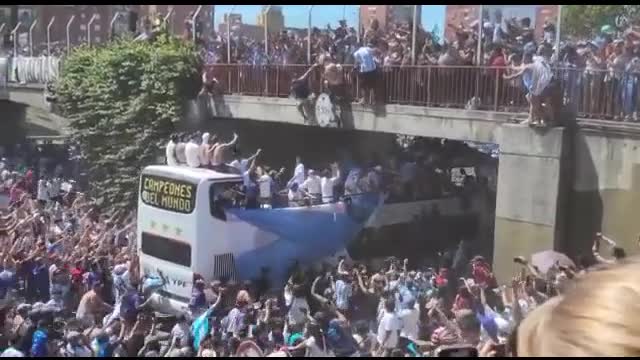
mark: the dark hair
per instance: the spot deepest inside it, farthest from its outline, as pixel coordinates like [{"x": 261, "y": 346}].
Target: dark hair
[
  {"x": 619, "y": 253},
  {"x": 390, "y": 304}
]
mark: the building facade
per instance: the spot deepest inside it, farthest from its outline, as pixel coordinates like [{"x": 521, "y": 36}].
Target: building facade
[
  {"x": 274, "y": 17},
  {"x": 387, "y": 14},
  {"x": 467, "y": 14}
]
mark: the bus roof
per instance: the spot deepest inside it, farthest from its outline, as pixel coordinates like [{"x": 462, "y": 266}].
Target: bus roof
[{"x": 195, "y": 175}]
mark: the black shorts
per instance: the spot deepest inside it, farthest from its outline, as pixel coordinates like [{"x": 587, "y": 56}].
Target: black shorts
[{"x": 367, "y": 79}]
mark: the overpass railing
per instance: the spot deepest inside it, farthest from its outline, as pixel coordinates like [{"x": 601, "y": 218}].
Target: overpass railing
[
  {"x": 592, "y": 94},
  {"x": 33, "y": 69}
]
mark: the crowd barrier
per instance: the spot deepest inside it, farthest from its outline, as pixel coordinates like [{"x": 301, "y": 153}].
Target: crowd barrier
[
  {"x": 34, "y": 70},
  {"x": 593, "y": 94}
]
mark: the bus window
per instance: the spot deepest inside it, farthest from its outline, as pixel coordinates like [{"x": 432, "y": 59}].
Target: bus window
[
  {"x": 166, "y": 249},
  {"x": 224, "y": 196}
]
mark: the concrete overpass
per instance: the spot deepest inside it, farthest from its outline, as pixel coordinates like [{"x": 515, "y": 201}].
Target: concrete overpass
[{"x": 556, "y": 187}]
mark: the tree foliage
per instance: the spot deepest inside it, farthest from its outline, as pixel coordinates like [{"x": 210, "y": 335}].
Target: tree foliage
[
  {"x": 123, "y": 100},
  {"x": 586, "y": 20}
]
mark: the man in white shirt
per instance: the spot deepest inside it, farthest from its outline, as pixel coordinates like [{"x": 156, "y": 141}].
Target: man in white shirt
[
  {"x": 43, "y": 191},
  {"x": 181, "y": 156},
  {"x": 410, "y": 318},
  {"x": 265, "y": 182},
  {"x": 243, "y": 164},
  {"x": 328, "y": 183},
  {"x": 170, "y": 151},
  {"x": 388, "y": 328},
  {"x": 298, "y": 173},
  {"x": 192, "y": 153},
  {"x": 295, "y": 195},
  {"x": 313, "y": 185},
  {"x": 54, "y": 189}
]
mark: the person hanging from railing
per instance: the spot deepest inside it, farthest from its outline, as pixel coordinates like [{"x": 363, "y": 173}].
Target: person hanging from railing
[
  {"x": 367, "y": 70},
  {"x": 302, "y": 93},
  {"x": 536, "y": 76}
]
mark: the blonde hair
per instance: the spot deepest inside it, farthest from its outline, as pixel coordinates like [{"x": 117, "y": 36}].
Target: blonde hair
[{"x": 598, "y": 317}]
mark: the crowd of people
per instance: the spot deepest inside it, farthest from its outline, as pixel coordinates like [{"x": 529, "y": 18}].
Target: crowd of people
[
  {"x": 421, "y": 171},
  {"x": 70, "y": 286}
]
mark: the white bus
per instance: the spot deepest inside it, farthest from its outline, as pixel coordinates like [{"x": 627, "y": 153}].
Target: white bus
[{"x": 187, "y": 224}]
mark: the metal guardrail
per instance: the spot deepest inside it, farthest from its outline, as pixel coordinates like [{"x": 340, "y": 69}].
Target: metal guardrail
[{"x": 592, "y": 94}]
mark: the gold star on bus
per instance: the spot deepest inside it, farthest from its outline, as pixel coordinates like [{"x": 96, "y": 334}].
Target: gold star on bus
[
  {"x": 165, "y": 227},
  {"x": 153, "y": 224},
  {"x": 178, "y": 231}
]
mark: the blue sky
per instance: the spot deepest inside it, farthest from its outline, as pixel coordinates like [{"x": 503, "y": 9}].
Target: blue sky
[{"x": 296, "y": 15}]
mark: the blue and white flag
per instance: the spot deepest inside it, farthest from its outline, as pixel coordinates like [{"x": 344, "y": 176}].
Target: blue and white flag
[{"x": 200, "y": 328}]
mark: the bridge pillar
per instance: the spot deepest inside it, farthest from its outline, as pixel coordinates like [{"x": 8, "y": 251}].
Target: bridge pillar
[{"x": 530, "y": 199}]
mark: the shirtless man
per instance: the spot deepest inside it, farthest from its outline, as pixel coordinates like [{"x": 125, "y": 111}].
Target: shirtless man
[
  {"x": 333, "y": 77},
  {"x": 218, "y": 151}
]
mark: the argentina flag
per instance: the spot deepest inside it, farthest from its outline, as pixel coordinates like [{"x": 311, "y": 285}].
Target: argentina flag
[{"x": 200, "y": 328}]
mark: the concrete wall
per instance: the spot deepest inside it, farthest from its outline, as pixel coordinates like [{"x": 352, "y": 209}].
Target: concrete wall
[
  {"x": 605, "y": 192},
  {"x": 529, "y": 203}
]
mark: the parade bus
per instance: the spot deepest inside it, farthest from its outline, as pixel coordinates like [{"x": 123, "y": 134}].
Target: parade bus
[{"x": 188, "y": 223}]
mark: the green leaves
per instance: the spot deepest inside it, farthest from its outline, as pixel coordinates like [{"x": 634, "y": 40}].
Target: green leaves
[
  {"x": 586, "y": 20},
  {"x": 121, "y": 100}
]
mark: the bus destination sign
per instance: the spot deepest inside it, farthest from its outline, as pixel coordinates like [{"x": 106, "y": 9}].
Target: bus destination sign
[{"x": 168, "y": 194}]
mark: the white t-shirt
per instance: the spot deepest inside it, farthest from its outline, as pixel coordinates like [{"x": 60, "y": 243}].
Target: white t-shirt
[
  {"x": 314, "y": 349},
  {"x": 181, "y": 157},
  {"x": 389, "y": 322},
  {"x": 298, "y": 174},
  {"x": 410, "y": 319},
  {"x": 170, "y": 153},
  {"x": 264, "y": 182},
  {"x": 295, "y": 316},
  {"x": 180, "y": 331},
  {"x": 192, "y": 153},
  {"x": 327, "y": 185},
  {"x": 43, "y": 190},
  {"x": 313, "y": 185},
  {"x": 203, "y": 155}
]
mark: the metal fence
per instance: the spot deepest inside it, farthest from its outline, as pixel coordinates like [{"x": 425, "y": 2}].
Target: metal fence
[{"x": 592, "y": 94}]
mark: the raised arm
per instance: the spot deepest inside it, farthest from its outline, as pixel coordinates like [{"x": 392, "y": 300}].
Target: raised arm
[
  {"x": 230, "y": 143},
  {"x": 252, "y": 157},
  {"x": 321, "y": 299}
]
